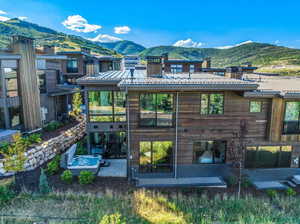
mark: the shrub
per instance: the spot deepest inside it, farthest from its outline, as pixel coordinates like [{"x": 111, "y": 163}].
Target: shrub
[
  {"x": 290, "y": 192},
  {"x": 112, "y": 219},
  {"x": 246, "y": 182},
  {"x": 67, "y": 176},
  {"x": 34, "y": 138},
  {"x": 272, "y": 193},
  {"x": 53, "y": 125},
  {"x": 53, "y": 166},
  {"x": 43, "y": 183},
  {"x": 5, "y": 195},
  {"x": 232, "y": 180},
  {"x": 81, "y": 149},
  {"x": 86, "y": 177}
]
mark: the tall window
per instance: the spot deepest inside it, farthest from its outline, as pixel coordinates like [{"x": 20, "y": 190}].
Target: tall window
[
  {"x": 209, "y": 152},
  {"x": 156, "y": 156},
  {"x": 42, "y": 81},
  {"x": 212, "y": 104},
  {"x": 255, "y": 106},
  {"x": 192, "y": 68},
  {"x": 72, "y": 66},
  {"x": 11, "y": 82},
  {"x": 291, "y": 123},
  {"x": 176, "y": 68},
  {"x": 107, "y": 106},
  {"x": 156, "y": 109},
  {"x": 14, "y": 116}
]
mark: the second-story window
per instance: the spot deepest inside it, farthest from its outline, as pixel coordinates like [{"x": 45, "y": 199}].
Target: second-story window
[
  {"x": 11, "y": 82},
  {"x": 291, "y": 123},
  {"x": 212, "y": 103},
  {"x": 176, "y": 68},
  {"x": 192, "y": 68},
  {"x": 107, "y": 106},
  {"x": 255, "y": 106},
  {"x": 72, "y": 66},
  {"x": 156, "y": 109}
]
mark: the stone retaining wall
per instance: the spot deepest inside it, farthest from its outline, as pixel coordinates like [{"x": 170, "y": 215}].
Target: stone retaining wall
[{"x": 42, "y": 153}]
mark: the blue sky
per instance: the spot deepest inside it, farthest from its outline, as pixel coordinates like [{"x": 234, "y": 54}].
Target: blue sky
[{"x": 209, "y": 23}]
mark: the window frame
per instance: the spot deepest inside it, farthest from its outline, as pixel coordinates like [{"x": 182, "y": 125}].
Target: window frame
[
  {"x": 206, "y": 147},
  {"x": 208, "y": 104},
  {"x": 155, "y": 125},
  {"x": 261, "y": 106},
  {"x": 73, "y": 69},
  {"x": 175, "y": 67},
  {"x": 113, "y": 115},
  {"x": 284, "y": 121},
  {"x": 152, "y": 151}
]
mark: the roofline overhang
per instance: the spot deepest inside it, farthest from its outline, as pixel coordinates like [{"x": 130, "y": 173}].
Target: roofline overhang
[
  {"x": 261, "y": 94},
  {"x": 10, "y": 56}
]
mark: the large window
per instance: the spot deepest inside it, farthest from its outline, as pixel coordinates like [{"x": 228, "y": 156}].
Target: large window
[
  {"x": 156, "y": 156},
  {"x": 212, "y": 104},
  {"x": 176, "y": 68},
  {"x": 268, "y": 156},
  {"x": 156, "y": 110},
  {"x": 14, "y": 116},
  {"x": 11, "y": 82},
  {"x": 72, "y": 66},
  {"x": 255, "y": 106},
  {"x": 192, "y": 68},
  {"x": 207, "y": 152},
  {"x": 107, "y": 106},
  {"x": 291, "y": 123}
]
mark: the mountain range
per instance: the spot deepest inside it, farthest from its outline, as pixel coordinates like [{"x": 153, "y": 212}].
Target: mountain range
[{"x": 270, "y": 58}]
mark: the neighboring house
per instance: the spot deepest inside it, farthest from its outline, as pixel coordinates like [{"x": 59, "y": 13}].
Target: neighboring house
[
  {"x": 109, "y": 63},
  {"x": 182, "y": 125}
]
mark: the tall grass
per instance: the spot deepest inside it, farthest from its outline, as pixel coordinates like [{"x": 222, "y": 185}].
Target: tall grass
[{"x": 145, "y": 206}]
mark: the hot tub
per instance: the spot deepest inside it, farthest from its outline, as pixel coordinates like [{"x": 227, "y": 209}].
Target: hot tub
[{"x": 84, "y": 162}]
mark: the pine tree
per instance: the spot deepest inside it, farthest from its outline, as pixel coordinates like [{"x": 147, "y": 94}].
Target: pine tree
[{"x": 43, "y": 183}]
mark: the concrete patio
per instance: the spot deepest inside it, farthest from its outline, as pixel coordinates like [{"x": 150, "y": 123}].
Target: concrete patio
[{"x": 117, "y": 168}]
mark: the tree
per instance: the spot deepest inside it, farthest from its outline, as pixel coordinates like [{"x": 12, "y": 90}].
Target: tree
[
  {"x": 14, "y": 155},
  {"x": 76, "y": 104},
  {"x": 237, "y": 150},
  {"x": 43, "y": 183}
]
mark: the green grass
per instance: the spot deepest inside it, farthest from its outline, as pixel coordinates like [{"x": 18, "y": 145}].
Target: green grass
[{"x": 143, "y": 206}]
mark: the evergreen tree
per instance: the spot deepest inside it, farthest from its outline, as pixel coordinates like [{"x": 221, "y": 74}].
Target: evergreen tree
[{"x": 43, "y": 183}]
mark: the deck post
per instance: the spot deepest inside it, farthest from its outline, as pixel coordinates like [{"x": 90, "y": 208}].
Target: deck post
[{"x": 176, "y": 137}]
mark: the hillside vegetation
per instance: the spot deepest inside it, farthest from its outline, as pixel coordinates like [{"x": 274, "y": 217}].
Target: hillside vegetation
[
  {"x": 124, "y": 47},
  {"x": 43, "y": 35}
]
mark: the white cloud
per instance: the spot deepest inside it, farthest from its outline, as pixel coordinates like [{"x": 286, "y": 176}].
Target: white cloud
[
  {"x": 79, "y": 24},
  {"x": 277, "y": 42},
  {"x": 4, "y": 18},
  {"x": 2, "y": 12},
  {"x": 187, "y": 43},
  {"x": 105, "y": 38},
  {"x": 22, "y": 17},
  {"x": 122, "y": 29},
  {"x": 231, "y": 46}
]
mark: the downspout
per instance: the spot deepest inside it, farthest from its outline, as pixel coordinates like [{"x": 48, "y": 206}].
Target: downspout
[
  {"x": 128, "y": 137},
  {"x": 176, "y": 136}
]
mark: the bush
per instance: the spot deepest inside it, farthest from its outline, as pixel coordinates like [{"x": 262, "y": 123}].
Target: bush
[
  {"x": 53, "y": 166},
  {"x": 86, "y": 177},
  {"x": 290, "y": 192},
  {"x": 34, "y": 138},
  {"x": 272, "y": 193},
  {"x": 245, "y": 182},
  {"x": 81, "y": 148},
  {"x": 67, "y": 176},
  {"x": 53, "y": 125},
  {"x": 232, "y": 180},
  {"x": 43, "y": 183},
  {"x": 112, "y": 219},
  {"x": 5, "y": 195}
]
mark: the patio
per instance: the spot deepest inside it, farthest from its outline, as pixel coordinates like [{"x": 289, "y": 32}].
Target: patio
[{"x": 117, "y": 168}]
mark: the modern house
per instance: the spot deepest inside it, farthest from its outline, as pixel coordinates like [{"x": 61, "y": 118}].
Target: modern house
[
  {"x": 188, "y": 124},
  {"x": 130, "y": 61}
]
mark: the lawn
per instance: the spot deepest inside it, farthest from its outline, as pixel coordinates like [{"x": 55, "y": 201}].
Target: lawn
[{"x": 151, "y": 206}]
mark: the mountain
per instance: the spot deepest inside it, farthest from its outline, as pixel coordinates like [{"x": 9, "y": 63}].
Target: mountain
[
  {"x": 124, "y": 47},
  {"x": 43, "y": 35},
  {"x": 260, "y": 54}
]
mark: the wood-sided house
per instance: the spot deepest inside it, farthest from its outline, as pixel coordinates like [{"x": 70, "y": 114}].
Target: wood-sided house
[{"x": 175, "y": 125}]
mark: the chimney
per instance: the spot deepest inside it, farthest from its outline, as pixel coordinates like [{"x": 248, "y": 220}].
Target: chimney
[
  {"x": 47, "y": 49},
  {"x": 28, "y": 83},
  {"x": 207, "y": 63},
  {"x": 85, "y": 50},
  {"x": 234, "y": 72},
  {"x": 154, "y": 66}
]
